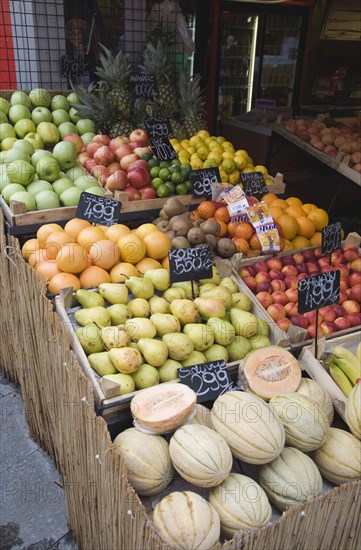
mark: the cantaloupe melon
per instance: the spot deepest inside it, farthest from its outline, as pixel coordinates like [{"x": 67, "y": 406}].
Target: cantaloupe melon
[
  {"x": 353, "y": 411},
  {"x": 200, "y": 455},
  {"x": 202, "y": 416},
  {"x": 254, "y": 434},
  {"x": 271, "y": 371},
  {"x": 310, "y": 388},
  {"x": 161, "y": 409},
  {"x": 150, "y": 469},
  {"x": 186, "y": 521},
  {"x": 290, "y": 479},
  {"x": 241, "y": 504}
]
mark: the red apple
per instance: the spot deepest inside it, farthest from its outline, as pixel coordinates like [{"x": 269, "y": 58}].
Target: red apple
[
  {"x": 277, "y": 284},
  {"x": 113, "y": 167},
  {"x": 299, "y": 321},
  {"x": 122, "y": 151},
  {"x": 138, "y": 134},
  {"x": 76, "y": 139},
  {"x": 356, "y": 264},
  {"x": 127, "y": 160},
  {"x": 101, "y": 173},
  {"x": 250, "y": 282},
  {"x": 290, "y": 270},
  {"x": 354, "y": 319},
  {"x": 264, "y": 286},
  {"x": 354, "y": 278},
  {"x": 276, "y": 274},
  {"x": 117, "y": 142},
  {"x": 279, "y": 297},
  {"x": 133, "y": 193},
  {"x": 291, "y": 309},
  {"x": 260, "y": 266},
  {"x": 102, "y": 139},
  {"x": 83, "y": 156},
  {"x": 139, "y": 164},
  {"x": 147, "y": 192},
  {"x": 139, "y": 144},
  {"x": 342, "y": 323},
  {"x": 117, "y": 181},
  {"x": 350, "y": 253},
  {"x": 351, "y": 306},
  {"x": 290, "y": 282},
  {"x": 138, "y": 177},
  {"x": 89, "y": 163},
  {"x": 264, "y": 298},
  {"x": 327, "y": 327},
  {"x": 104, "y": 155},
  {"x": 355, "y": 293},
  {"x": 276, "y": 311},
  {"x": 262, "y": 277},
  {"x": 92, "y": 147},
  {"x": 274, "y": 263},
  {"x": 284, "y": 323},
  {"x": 140, "y": 151},
  {"x": 339, "y": 310},
  {"x": 298, "y": 257},
  {"x": 292, "y": 294}
]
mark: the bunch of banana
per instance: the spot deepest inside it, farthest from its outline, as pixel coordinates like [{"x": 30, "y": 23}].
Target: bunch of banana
[{"x": 345, "y": 368}]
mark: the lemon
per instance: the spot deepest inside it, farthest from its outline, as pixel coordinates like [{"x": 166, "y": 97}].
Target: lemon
[
  {"x": 241, "y": 161},
  {"x": 248, "y": 169},
  {"x": 196, "y": 163},
  {"x": 228, "y": 154},
  {"x": 203, "y": 134},
  {"x": 228, "y": 145},
  {"x": 215, "y": 156},
  {"x": 195, "y": 139},
  {"x": 261, "y": 168},
  {"x": 191, "y": 150},
  {"x": 220, "y": 139},
  {"x": 234, "y": 177},
  {"x": 224, "y": 175},
  {"x": 209, "y": 164},
  {"x": 185, "y": 143}
]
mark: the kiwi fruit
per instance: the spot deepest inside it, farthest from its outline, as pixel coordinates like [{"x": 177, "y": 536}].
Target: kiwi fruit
[
  {"x": 180, "y": 242},
  {"x": 196, "y": 235},
  {"x": 226, "y": 248}
]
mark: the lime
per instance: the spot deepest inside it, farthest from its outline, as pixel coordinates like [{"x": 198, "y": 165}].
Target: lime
[
  {"x": 164, "y": 163},
  {"x": 164, "y": 173},
  {"x": 156, "y": 182},
  {"x": 170, "y": 186},
  {"x": 175, "y": 162},
  {"x": 188, "y": 184},
  {"x": 154, "y": 171},
  {"x": 153, "y": 162},
  {"x": 162, "y": 191},
  {"x": 146, "y": 156},
  {"x": 182, "y": 189},
  {"x": 173, "y": 168},
  {"x": 176, "y": 178}
]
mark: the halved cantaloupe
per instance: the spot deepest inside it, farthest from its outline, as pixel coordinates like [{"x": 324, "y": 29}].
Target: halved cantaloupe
[{"x": 271, "y": 371}]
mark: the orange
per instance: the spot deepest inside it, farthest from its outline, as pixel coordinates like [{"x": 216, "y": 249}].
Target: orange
[
  {"x": 122, "y": 271},
  {"x": 282, "y": 243},
  {"x": 280, "y": 202},
  {"x": 306, "y": 227},
  {"x": 222, "y": 214},
  {"x": 288, "y": 225},
  {"x": 145, "y": 229},
  {"x": 300, "y": 242},
  {"x": 289, "y": 246},
  {"x": 132, "y": 248},
  {"x": 88, "y": 236},
  {"x": 244, "y": 230},
  {"x": 116, "y": 231},
  {"x": 255, "y": 242},
  {"x": 37, "y": 257},
  {"x": 316, "y": 239},
  {"x": 276, "y": 211},
  {"x": 206, "y": 209},
  {"x": 72, "y": 258},
  {"x": 44, "y": 231},
  {"x": 295, "y": 211},
  {"x": 55, "y": 241},
  {"x": 29, "y": 247},
  {"x": 75, "y": 225},
  {"x": 319, "y": 218},
  {"x": 231, "y": 227},
  {"x": 223, "y": 230},
  {"x": 294, "y": 201},
  {"x": 104, "y": 254},
  {"x": 63, "y": 280},
  {"x": 93, "y": 276},
  {"x": 157, "y": 245},
  {"x": 308, "y": 207},
  {"x": 47, "y": 269},
  {"x": 147, "y": 263},
  {"x": 165, "y": 263},
  {"x": 241, "y": 244},
  {"x": 269, "y": 198}
]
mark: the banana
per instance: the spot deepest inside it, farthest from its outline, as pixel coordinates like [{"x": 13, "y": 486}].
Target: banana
[
  {"x": 347, "y": 368},
  {"x": 340, "y": 378},
  {"x": 358, "y": 352},
  {"x": 343, "y": 353}
]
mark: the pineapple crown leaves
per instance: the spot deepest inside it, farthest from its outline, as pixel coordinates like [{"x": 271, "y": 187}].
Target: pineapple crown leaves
[
  {"x": 113, "y": 70},
  {"x": 191, "y": 95},
  {"x": 156, "y": 62},
  {"x": 94, "y": 106}
]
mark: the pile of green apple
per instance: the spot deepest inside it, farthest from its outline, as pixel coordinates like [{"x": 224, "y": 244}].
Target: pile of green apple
[{"x": 140, "y": 332}]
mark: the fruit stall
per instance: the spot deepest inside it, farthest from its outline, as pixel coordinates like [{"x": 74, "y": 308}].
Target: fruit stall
[{"x": 190, "y": 360}]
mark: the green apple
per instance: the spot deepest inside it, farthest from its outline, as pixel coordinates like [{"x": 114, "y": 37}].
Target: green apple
[
  {"x": 26, "y": 198},
  {"x": 96, "y": 190},
  {"x": 16, "y": 154},
  {"x": 47, "y": 199},
  {"x": 23, "y": 127},
  {"x": 74, "y": 117},
  {"x": 60, "y": 116},
  {"x": 40, "y": 97},
  {"x": 35, "y": 140},
  {"x": 85, "y": 181},
  {"x": 24, "y": 145},
  {"x": 73, "y": 99},
  {"x": 18, "y": 112},
  {"x": 85, "y": 125},
  {"x": 75, "y": 172},
  {"x": 20, "y": 171},
  {"x": 62, "y": 174},
  {"x": 65, "y": 154},
  {"x": 41, "y": 114},
  {"x": 20, "y": 98},
  {"x": 3, "y": 157},
  {"x": 48, "y": 132},
  {"x": 67, "y": 128},
  {"x": 10, "y": 189},
  {"x": 4, "y": 105},
  {"x": 61, "y": 185},
  {"x": 59, "y": 102},
  {"x": 37, "y": 186},
  {"x": 8, "y": 143},
  {"x": 38, "y": 154},
  {"x": 87, "y": 137},
  {"x": 6, "y": 131},
  {"x": 3, "y": 117},
  {"x": 48, "y": 169},
  {"x": 4, "y": 179},
  {"x": 70, "y": 197}
]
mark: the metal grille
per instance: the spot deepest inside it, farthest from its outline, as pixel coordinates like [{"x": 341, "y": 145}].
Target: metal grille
[{"x": 48, "y": 42}]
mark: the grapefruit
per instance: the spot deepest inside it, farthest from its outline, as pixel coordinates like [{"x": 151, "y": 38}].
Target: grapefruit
[
  {"x": 93, "y": 276},
  {"x": 72, "y": 258},
  {"x": 132, "y": 248},
  {"x": 319, "y": 218},
  {"x": 104, "y": 254},
  {"x": 157, "y": 245},
  {"x": 289, "y": 226},
  {"x": 63, "y": 280}
]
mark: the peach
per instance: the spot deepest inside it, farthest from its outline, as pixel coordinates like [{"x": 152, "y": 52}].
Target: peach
[
  {"x": 276, "y": 274},
  {"x": 264, "y": 286},
  {"x": 284, "y": 323},
  {"x": 261, "y": 276},
  {"x": 355, "y": 293},
  {"x": 311, "y": 330},
  {"x": 298, "y": 258},
  {"x": 292, "y": 294},
  {"x": 250, "y": 282},
  {"x": 342, "y": 323},
  {"x": 299, "y": 321},
  {"x": 356, "y": 264},
  {"x": 276, "y": 311},
  {"x": 354, "y": 278},
  {"x": 354, "y": 319},
  {"x": 279, "y": 297},
  {"x": 311, "y": 316},
  {"x": 260, "y": 266},
  {"x": 290, "y": 270},
  {"x": 339, "y": 310},
  {"x": 343, "y": 296},
  {"x": 274, "y": 263},
  {"x": 291, "y": 282},
  {"x": 350, "y": 253},
  {"x": 351, "y": 306},
  {"x": 247, "y": 271},
  {"x": 265, "y": 299},
  {"x": 328, "y": 327},
  {"x": 277, "y": 284},
  {"x": 291, "y": 309},
  {"x": 309, "y": 255}
]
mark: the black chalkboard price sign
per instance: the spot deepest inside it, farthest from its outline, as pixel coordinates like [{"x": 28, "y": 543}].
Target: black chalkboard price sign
[
  {"x": 74, "y": 65},
  {"x": 158, "y": 127},
  {"x": 318, "y": 291},
  {"x": 162, "y": 149},
  {"x": 201, "y": 181},
  {"x": 331, "y": 238},
  {"x": 207, "y": 380},
  {"x": 253, "y": 183},
  {"x": 97, "y": 209},
  {"x": 143, "y": 85},
  {"x": 190, "y": 264}
]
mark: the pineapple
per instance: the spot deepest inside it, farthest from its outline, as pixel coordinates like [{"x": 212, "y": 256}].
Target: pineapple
[
  {"x": 191, "y": 104},
  {"x": 145, "y": 108},
  {"x": 96, "y": 108},
  {"x": 120, "y": 128},
  {"x": 114, "y": 74}
]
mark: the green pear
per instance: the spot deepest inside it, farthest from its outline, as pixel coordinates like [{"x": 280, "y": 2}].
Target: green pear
[
  {"x": 164, "y": 323},
  {"x": 101, "y": 363},
  {"x": 139, "y": 307},
  {"x": 89, "y": 337},
  {"x": 210, "y": 307},
  {"x": 195, "y": 358},
  {"x": 158, "y": 304},
  {"x": 239, "y": 348},
  {"x": 185, "y": 310},
  {"x": 215, "y": 279},
  {"x": 114, "y": 293},
  {"x": 87, "y": 298},
  {"x": 125, "y": 381},
  {"x": 160, "y": 278},
  {"x": 155, "y": 352},
  {"x": 174, "y": 294},
  {"x": 263, "y": 327},
  {"x": 241, "y": 301},
  {"x": 145, "y": 377},
  {"x": 125, "y": 360},
  {"x": 221, "y": 293},
  {"x": 206, "y": 288},
  {"x": 119, "y": 313},
  {"x": 169, "y": 370},
  {"x": 216, "y": 353},
  {"x": 140, "y": 327},
  {"x": 201, "y": 335},
  {"x": 245, "y": 323},
  {"x": 187, "y": 287},
  {"x": 98, "y": 315},
  {"x": 229, "y": 283},
  {"x": 224, "y": 332},
  {"x": 179, "y": 345},
  {"x": 115, "y": 337},
  {"x": 259, "y": 341},
  {"x": 140, "y": 287}
]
